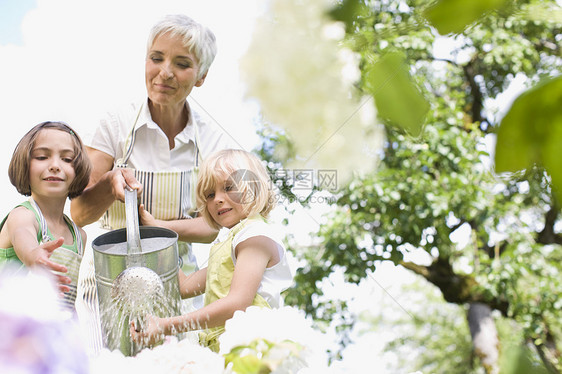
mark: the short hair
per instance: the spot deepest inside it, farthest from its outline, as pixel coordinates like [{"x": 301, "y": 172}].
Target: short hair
[
  {"x": 249, "y": 175},
  {"x": 18, "y": 171},
  {"x": 197, "y": 38}
]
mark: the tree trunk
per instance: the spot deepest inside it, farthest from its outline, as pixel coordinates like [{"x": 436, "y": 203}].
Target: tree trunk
[
  {"x": 549, "y": 355},
  {"x": 484, "y": 336}
]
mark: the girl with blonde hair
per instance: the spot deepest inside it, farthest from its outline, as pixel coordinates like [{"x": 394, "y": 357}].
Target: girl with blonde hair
[{"x": 247, "y": 265}]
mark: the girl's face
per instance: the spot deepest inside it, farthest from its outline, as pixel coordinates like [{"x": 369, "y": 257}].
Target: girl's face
[
  {"x": 223, "y": 203},
  {"x": 171, "y": 71},
  {"x": 50, "y": 170}
]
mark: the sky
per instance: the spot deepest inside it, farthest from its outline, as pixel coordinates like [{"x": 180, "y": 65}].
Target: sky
[{"x": 74, "y": 60}]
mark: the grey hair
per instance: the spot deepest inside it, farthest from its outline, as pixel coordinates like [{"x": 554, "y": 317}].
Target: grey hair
[{"x": 197, "y": 38}]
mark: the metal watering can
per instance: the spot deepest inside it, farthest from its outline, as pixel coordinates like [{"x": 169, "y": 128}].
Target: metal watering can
[{"x": 136, "y": 272}]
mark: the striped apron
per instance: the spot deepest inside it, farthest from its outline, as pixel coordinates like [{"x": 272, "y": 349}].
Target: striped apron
[{"x": 167, "y": 195}]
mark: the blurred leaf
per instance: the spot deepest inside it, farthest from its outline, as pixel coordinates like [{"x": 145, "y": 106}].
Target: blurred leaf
[
  {"x": 348, "y": 11},
  {"x": 247, "y": 364},
  {"x": 452, "y": 16},
  {"x": 397, "y": 98},
  {"x": 531, "y": 132},
  {"x": 517, "y": 360}
]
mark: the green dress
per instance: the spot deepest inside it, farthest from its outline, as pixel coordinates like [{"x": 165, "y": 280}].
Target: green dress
[{"x": 67, "y": 255}]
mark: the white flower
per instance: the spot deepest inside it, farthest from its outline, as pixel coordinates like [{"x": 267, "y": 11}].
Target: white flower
[
  {"x": 302, "y": 76},
  {"x": 172, "y": 357},
  {"x": 287, "y": 327},
  {"x": 30, "y": 293}
]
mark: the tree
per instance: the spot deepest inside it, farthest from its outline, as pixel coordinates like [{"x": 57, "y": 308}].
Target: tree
[{"x": 430, "y": 186}]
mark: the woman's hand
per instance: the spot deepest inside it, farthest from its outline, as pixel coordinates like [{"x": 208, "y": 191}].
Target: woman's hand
[
  {"x": 122, "y": 178},
  {"x": 148, "y": 333},
  {"x": 106, "y": 185}
]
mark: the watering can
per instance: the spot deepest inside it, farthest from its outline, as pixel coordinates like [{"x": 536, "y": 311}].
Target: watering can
[{"x": 136, "y": 271}]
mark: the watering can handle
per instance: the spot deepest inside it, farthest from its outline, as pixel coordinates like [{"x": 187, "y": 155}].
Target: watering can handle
[{"x": 132, "y": 221}]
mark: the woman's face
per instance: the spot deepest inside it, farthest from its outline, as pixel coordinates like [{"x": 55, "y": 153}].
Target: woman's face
[{"x": 171, "y": 71}]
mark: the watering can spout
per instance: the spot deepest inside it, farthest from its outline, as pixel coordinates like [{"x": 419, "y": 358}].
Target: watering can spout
[{"x": 132, "y": 222}]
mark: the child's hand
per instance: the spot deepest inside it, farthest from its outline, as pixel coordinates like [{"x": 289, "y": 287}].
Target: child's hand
[
  {"x": 149, "y": 333},
  {"x": 41, "y": 257},
  {"x": 146, "y": 219}
]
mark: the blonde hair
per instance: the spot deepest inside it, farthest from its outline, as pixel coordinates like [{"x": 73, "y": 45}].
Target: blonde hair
[
  {"x": 249, "y": 176},
  {"x": 18, "y": 171}
]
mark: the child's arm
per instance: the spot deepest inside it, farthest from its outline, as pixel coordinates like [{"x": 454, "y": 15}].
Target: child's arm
[
  {"x": 193, "y": 284},
  {"x": 22, "y": 228},
  {"x": 189, "y": 230},
  {"x": 253, "y": 256}
]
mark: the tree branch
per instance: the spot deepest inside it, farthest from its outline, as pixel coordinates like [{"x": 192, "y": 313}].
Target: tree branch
[
  {"x": 475, "y": 91},
  {"x": 456, "y": 288},
  {"x": 547, "y": 235}
]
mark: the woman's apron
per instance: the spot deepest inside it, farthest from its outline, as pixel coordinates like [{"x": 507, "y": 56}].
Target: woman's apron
[
  {"x": 220, "y": 271},
  {"x": 167, "y": 195},
  {"x": 63, "y": 255}
]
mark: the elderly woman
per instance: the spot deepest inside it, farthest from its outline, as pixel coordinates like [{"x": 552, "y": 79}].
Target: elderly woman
[{"x": 154, "y": 146}]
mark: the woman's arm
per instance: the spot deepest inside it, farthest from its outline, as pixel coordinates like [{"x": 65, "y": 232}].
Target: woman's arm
[
  {"x": 191, "y": 230},
  {"x": 106, "y": 185},
  {"x": 253, "y": 256}
]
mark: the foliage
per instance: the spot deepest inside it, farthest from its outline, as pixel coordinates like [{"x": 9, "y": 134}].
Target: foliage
[
  {"x": 431, "y": 188},
  {"x": 434, "y": 336},
  {"x": 439, "y": 341}
]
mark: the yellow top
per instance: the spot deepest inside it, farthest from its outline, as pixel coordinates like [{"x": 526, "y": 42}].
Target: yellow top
[{"x": 220, "y": 271}]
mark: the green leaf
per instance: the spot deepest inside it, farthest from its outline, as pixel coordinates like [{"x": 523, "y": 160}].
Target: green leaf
[
  {"x": 452, "y": 16},
  {"x": 397, "y": 98},
  {"x": 531, "y": 132},
  {"x": 248, "y": 364}
]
